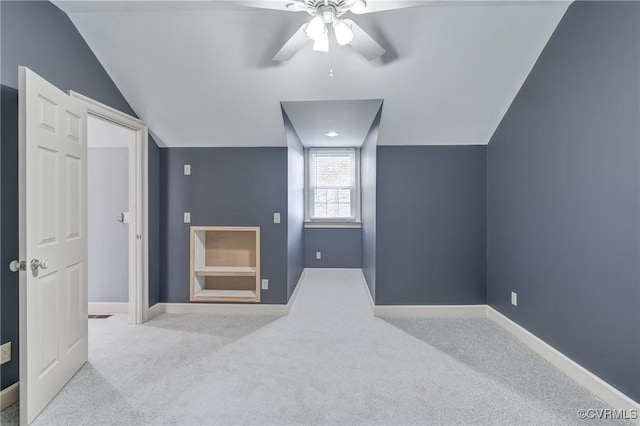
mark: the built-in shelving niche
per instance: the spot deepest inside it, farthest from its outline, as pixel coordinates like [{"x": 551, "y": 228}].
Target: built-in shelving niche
[{"x": 225, "y": 264}]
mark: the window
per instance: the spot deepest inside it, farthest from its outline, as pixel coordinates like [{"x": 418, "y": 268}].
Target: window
[{"x": 333, "y": 187}]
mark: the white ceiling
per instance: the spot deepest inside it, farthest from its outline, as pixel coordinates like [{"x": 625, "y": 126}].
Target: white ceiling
[
  {"x": 200, "y": 74},
  {"x": 350, "y": 119}
]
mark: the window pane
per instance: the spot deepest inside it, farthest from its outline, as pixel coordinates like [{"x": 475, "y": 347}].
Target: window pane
[
  {"x": 332, "y": 183},
  {"x": 345, "y": 196},
  {"x": 321, "y": 195},
  {"x": 332, "y": 210},
  {"x": 345, "y": 210},
  {"x": 321, "y": 210},
  {"x": 333, "y": 171},
  {"x": 332, "y": 195}
]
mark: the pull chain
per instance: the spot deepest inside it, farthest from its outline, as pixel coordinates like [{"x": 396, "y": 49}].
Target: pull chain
[{"x": 330, "y": 58}]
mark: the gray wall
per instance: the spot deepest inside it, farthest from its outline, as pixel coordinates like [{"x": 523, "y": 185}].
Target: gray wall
[
  {"x": 564, "y": 185},
  {"x": 227, "y": 187},
  {"x": 154, "y": 221},
  {"x": 38, "y": 35},
  {"x": 9, "y": 299},
  {"x": 295, "y": 223},
  {"x": 108, "y": 188},
  {"x": 340, "y": 247},
  {"x": 431, "y": 225},
  {"x": 368, "y": 162}
]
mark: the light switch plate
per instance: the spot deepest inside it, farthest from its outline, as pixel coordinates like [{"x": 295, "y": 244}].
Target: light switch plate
[
  {"x": 265, "y": 284},
  {"x": 514, "y": 298},
  {"x": 276, "y": 218},
  {"x": 187, "y": 217},
  {"x": 187, "y": 169},
  {"x": 318, "y": 255}
]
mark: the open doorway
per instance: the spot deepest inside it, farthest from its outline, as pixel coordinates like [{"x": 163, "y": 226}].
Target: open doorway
[
  {"x": 110, "y": 149},
  {"x": 117, "y": 200}
]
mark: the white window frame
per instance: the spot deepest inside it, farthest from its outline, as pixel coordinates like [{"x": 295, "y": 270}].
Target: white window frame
[{"x": 328, "y": 222}]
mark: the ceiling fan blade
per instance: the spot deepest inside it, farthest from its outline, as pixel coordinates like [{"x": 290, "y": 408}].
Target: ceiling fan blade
[
  {"x": 297, "y": 6},
  {"x": 291, "y": 47},
  {"x": 363, "y": 43},
  {"x": 381, "y": 5}
]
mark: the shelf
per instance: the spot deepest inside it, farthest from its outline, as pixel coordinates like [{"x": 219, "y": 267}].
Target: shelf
[
  {"x": 225, "y": 295},
  {"x": 226, "y": 271},
  {"x": 225, "y": 264}
]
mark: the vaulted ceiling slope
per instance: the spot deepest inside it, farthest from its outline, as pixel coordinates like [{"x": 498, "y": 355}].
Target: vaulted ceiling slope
[{"x": 201, "y": 74}]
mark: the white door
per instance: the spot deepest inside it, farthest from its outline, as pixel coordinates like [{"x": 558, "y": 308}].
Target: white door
[{"x": 53, "y": 241}]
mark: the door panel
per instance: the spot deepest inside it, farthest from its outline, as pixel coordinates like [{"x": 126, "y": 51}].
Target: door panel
[{"x": 53, "y": 297}]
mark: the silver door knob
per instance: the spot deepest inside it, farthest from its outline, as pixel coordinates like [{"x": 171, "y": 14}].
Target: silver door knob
[
  {"x": 35, "y": 264},
  {"x": 17, "y": 265}
]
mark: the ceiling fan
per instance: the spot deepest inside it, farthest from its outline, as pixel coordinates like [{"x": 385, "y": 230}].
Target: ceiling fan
[{"x": 327, "y": 21}]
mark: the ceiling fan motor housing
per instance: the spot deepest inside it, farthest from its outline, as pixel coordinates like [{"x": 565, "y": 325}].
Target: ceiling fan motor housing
[
  {"x": 325, "y": 8},
  {"x": 328, "y": 13}
]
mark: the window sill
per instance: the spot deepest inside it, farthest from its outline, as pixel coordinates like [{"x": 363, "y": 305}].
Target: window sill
[{"x": 314, "y": 224}]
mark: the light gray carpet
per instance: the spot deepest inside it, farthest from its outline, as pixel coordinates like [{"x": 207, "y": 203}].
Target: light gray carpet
[{"x": 328, "y": 362}]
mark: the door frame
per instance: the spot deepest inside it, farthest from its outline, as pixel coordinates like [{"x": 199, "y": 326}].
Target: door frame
[{"x": 138, "y": 246}]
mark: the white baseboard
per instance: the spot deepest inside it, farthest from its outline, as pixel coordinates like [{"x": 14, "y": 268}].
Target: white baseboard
[
  {"x": 10, "y": 396},
  {"x": 575, "y": 371},
  {"x": 222, "y": 309},
  {"x": 332, "y": 269},
  {"x": 430, "y": 311},
  {"x": 108, "y": 308},
  {"x": 153, "y": 311},
  {"x": 372, "y": 304},
  {"x": 225, "y": 308},
  {"x": 294, "y": 295}
]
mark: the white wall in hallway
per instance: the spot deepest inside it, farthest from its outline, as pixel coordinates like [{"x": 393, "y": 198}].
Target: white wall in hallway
[{"x": 108, "y": 192}]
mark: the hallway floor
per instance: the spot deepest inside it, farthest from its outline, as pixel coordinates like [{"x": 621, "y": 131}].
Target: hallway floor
[{"x": 330, "y": 361}]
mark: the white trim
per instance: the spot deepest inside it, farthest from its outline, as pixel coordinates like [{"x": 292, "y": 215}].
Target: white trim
[
  {"x": 226, "y": 308},
  {"x": 153, "y": 311},
  {"x": 138, "y": 248},
  {"x": 109, "y": 112},
  {"x": 430, "y": 311},
  {"x": 372, "y": 304},
  {"x": 575, "y": 371},
  {"x": 354, "y": 225},
  {"x": 292, "y": 299},
  {"x": 9, "y": 396},
  {"x": 222, "y": 309},
  {"x": 356, "y": 222},
  {"x": 108, "y": 308}
]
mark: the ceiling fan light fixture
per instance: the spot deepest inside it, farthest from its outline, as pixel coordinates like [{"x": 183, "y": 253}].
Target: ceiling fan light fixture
[
  {"x": 343, "y": 32},
  {"x": 321, "y": 44},
  {"x": 316, "y": 28}
]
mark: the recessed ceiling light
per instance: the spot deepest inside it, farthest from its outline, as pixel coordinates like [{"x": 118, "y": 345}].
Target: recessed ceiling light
[{"x": 332, "y": 134}]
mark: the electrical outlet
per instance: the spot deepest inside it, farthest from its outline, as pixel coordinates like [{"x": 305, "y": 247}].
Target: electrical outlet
[
  {"x": 187, "y": 217},
  {"x": 318, "y": 255},
  {"x": 187, "y": 169},
  {"x": 5, "y": 353},
  {"x": 265, "y": 284},
  {"x": 276, "y": 218},
  {"x": 514, "y": 298}
]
